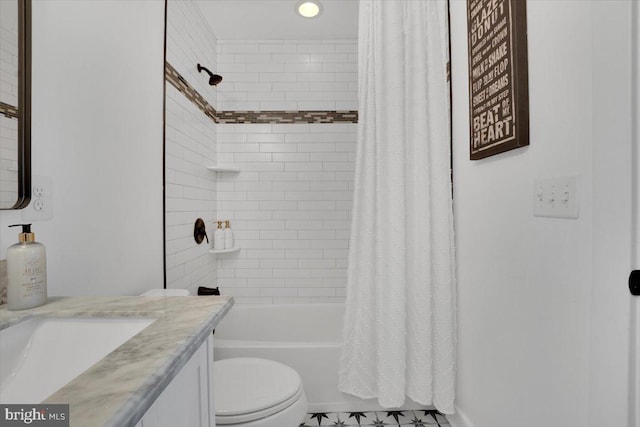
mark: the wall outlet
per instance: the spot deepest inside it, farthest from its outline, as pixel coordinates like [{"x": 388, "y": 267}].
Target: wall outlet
[
  {"x": 41, "y": 206},
  {"x": 556, "y": 197}
]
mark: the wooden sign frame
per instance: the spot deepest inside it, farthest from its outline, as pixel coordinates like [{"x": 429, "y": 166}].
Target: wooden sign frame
[{"x": 498, "y": 76}]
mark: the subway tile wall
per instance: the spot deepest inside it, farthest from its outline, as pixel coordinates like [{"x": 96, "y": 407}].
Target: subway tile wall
[
  {"x": 288, "y": 74},
  {"x": 8, "y": 160},
  {"x": 290, "y": 206},
  {"x": 190, "y": 147},
  {"x": 190, "y": 41},
  {"x": 9, "y": 96}
]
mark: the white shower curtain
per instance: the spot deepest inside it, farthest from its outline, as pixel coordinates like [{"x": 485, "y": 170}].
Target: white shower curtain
[{"x": 399, "y": 336}]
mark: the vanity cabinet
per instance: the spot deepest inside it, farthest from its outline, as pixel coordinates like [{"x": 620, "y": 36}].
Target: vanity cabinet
[{"x": 188, "y": 399}]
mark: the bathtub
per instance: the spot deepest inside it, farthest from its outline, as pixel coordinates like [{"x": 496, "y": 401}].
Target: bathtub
[{"x": 305, "y": 337}]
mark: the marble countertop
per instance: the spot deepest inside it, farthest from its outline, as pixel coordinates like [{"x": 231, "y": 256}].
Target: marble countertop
[{"x": 118, "y": 390}]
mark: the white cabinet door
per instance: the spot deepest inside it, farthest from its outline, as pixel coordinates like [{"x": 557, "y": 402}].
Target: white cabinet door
[{"x": 188, "y": 399}]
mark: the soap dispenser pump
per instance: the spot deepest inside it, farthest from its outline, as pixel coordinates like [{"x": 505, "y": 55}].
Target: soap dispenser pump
[{"x": 26, "y": 271}]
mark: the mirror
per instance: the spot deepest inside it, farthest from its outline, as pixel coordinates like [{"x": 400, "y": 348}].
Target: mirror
[{"x": 15, "y": 103}]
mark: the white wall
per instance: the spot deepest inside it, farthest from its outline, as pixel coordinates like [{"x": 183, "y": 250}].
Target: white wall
[
  {"x": 541, "y": 327},
  {"x": 612, "y": 214},
  {"x": 634, "y": 377},
  {"x": 190, "y": 148},
  {"x": 97, "y": 132},
  {"x": 290, "y": 205}
]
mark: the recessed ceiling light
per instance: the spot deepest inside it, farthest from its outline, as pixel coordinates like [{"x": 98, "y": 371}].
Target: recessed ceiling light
[{"x": 309, "y": 9}]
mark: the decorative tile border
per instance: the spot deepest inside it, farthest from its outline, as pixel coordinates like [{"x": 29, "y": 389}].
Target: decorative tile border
[
  {"x": 309, "y": 116},
  {"x": 277, "y": 117},
  {"x": 180, "y": 83},
  {"x": 8, "y": 110}
]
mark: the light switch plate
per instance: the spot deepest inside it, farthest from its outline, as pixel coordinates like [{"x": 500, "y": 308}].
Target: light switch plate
[
  {"x": 41, "y": 206},
  {"x": 556, "y": 197}
]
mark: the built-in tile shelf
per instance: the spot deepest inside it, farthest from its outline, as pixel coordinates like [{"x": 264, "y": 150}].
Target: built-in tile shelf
[
  {"x": 223, "y": 168},
  {"x": 224, "y": 251}
]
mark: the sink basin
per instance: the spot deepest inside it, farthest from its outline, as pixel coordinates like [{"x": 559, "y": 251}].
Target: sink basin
[{"x": 38, "y": 356}]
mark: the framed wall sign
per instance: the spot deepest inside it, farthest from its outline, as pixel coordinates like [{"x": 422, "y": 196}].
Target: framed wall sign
[{"x": 498, "y": 78}]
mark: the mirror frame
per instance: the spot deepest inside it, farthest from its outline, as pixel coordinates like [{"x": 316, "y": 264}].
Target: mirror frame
[{"x": 24, "y": 105}]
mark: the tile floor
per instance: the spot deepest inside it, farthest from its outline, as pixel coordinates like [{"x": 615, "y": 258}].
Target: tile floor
[{"x": 430, "y": 418}]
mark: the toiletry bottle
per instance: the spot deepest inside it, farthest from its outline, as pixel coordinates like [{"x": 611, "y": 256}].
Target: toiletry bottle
[
  {"x": 228, "y": 235},
  {"x": 218, "y": 237},
  {"x": 27, "y": 272}
]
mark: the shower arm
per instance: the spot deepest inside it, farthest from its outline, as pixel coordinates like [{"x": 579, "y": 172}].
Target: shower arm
[
  {"x": 200, "y": 68},
  {"x": 214, "y": 79}
]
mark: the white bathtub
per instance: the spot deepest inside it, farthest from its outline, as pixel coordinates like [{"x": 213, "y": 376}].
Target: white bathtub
[{"x": 305, "y": 337}]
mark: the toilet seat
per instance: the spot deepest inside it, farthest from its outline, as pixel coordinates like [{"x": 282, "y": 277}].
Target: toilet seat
[{"x": 249, "y": 389}]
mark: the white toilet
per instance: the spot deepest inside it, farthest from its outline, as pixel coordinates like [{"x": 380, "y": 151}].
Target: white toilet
[{"x": 250, "y": 392}]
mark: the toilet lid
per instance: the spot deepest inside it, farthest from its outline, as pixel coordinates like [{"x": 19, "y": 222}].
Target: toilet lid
[{"x": 250, "y": 388}]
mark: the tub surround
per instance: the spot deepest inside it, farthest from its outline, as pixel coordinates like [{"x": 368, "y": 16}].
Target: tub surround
[
  {"x": 118, "y": 390},
  {"x": 190, "y": 145},
  {"x": 255, "y": 116}
]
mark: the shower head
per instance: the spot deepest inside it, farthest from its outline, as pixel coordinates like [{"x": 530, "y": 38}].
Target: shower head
[{"x": 214, "y": 79}]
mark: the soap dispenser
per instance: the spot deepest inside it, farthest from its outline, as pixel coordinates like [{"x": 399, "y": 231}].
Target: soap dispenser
[
  {"x": 228, "y": 235},
  {"x": 218, "y": 237},
  {"x": 26, "y": 271}
]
